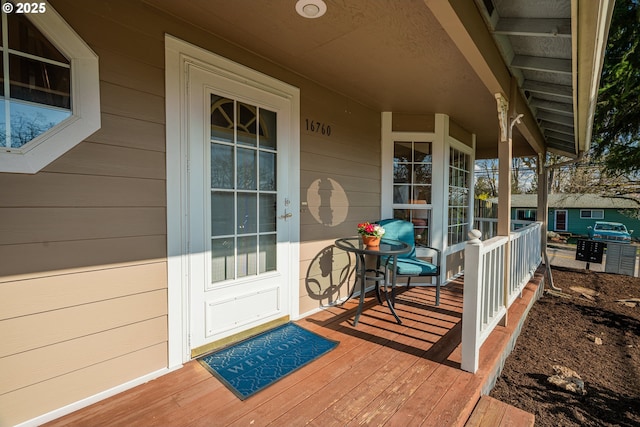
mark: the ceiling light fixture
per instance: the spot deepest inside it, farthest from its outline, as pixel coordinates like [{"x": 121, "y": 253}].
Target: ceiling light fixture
[{"x": 311, "y": 8}]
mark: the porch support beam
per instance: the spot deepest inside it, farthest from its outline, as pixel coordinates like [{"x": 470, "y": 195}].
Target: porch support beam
[
  {"x": 542, "y": 213},
  {"x": 555, "y": 107},
  {"x": 466, "y": 28},
  {"x": 557, "y": 127},
  {"x": 559, "y": 136},
  {"x": 505, "y": 160},
  {"x": 504, "y": 210},
  {"x": 504, "y": 187},
  {"x": 536, "y": 63},
  {"x": 555, "y": 118},
  {"x": 539, "y": 27},
  {"x": 544, "y": 88}
]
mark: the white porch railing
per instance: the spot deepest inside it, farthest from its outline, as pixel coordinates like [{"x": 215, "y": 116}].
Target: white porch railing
[
  {"x": 489, "y": 226},
  {"x": 525, "y": 258},
  {"x": 484, "y": 283}
]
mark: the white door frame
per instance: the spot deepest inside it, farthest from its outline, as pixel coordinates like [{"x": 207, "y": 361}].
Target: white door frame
[
  {"x": 566, "y": 219},
  {"x": 177, "y": 55}
]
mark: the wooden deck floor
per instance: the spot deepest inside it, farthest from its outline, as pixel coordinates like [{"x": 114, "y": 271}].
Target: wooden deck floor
[{"x": 381, "y": 373}]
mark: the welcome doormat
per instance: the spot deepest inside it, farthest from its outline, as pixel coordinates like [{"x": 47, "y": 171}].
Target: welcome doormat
[{"x": 251, "y": 365}]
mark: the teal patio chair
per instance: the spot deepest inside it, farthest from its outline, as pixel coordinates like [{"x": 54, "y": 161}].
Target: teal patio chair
[{"x": 408, "y": 265}]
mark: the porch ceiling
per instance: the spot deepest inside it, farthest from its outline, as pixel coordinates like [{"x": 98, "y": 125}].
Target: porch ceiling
[
  {"x": 554, "y": 49},
  {"x": 395, "y": 55}
]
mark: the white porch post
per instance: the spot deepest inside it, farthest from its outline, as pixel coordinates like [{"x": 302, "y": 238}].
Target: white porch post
[
  {"x": 440, "y": 190},
  {"x": 386, "y": 184},
  {"x": 505, "y": 158},
  {"x": 471, "y": 303},
  {"x": 542, "y": 213},
  {"x": 504, "y": 186}
]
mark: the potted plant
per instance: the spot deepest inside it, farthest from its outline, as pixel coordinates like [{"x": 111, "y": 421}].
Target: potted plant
[{"x": 371, "y": 233}]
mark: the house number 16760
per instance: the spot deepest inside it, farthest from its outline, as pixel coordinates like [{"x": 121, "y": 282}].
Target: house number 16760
[{"x": 318, "y": 127}]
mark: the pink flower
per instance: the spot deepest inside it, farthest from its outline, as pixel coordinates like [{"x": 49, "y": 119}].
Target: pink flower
[{"x": 368, "y": 229}]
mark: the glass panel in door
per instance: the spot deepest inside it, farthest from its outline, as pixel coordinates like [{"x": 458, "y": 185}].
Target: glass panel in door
[{"x": 244, "y": 154}]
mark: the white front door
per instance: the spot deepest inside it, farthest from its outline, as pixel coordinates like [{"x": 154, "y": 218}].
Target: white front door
[{"x": 238, "y": 207}]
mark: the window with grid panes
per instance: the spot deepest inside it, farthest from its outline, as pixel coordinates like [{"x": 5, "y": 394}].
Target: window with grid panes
[
  {"x": 412, "y": 172},
  {"x": 459, "y": 183}
]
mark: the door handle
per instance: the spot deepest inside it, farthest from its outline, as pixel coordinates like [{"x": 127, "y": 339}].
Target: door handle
[{"x": 286, "y": 215}]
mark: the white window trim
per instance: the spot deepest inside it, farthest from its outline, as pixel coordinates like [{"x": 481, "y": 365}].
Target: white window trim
[
  {"x": 591, "y": 211},
  {"x": 85, "y": 100},
  {"x": 388, "y": 137},
  {"x": 451, "y": 142},
  {"x": 441, "y": 141}
]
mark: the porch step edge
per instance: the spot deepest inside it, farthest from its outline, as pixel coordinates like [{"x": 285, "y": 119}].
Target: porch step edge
[{"x": 490, "y": 412}]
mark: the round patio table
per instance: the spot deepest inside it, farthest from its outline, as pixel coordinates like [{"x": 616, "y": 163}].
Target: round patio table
[{"x": 388, "y": 248}]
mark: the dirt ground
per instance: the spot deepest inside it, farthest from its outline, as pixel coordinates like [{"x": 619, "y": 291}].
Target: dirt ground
[{"x": 562, "y": 329}]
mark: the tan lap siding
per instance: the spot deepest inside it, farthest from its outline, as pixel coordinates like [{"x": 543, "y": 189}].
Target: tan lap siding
[
  {"x": 57, "y": 392},
  {"x": 92, "y": 158},
  {"x": 26, "y": 333},
  {"x": 66, "y": 356},
  {"x": 24, "y": 297},
  {"x": 140, "y": 134},
  {"x": 347, "y": 165},
  {"x": 103, "y": 205},
  {"x": 47, "y": 258},
  {"x": 32, "y": 225},
  {"x": 52, "y": 190},
  {"x": 83, "y": 282}
]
